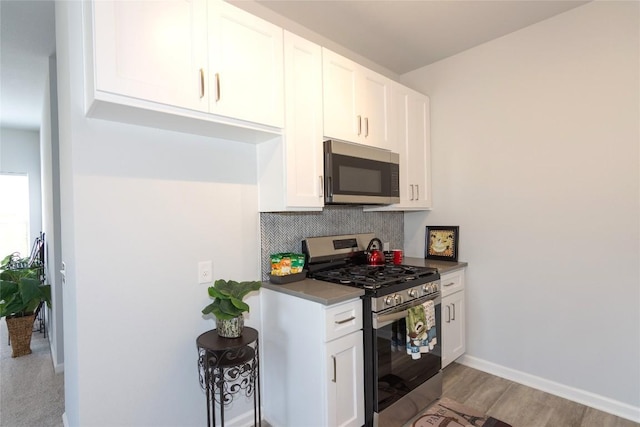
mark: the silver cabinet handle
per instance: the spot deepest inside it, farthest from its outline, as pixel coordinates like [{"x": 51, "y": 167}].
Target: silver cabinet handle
[
  {"x": 321, "y": 186},
  {"x": 218, "y": 87},
  {"x": 334, "y": 369},
  {"x": 201, "y": 83},
  {"x": 450, "y": 284},
  {"x": 448, "y": 314},
  {"x": 411, "y": 191},
  {"x": 418, "y": 192},
  {"x": 366, "y": 127},
  {"x": 340, "y": 322},
  {"x": 359, "y": 125},
  {"x": 454, "y": 312}
]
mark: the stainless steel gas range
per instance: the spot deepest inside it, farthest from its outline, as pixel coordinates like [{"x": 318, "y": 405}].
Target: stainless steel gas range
[{"x": 402, "y": 376}]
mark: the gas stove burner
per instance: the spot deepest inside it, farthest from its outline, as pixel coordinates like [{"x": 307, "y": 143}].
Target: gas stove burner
[
  {"x": 375, "y": 278},
  {"x": 343, "y": 260}
]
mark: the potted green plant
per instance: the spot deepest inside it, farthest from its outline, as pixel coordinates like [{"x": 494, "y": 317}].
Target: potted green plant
[
  {"x": 228, "y": 305},
  {"x": 21, "y": 295}
]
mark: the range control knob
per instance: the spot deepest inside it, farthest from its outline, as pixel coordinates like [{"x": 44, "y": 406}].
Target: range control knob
[
  {"x": 426, "y": 289},
  {"x": 388, "y": 301},
  {"x": 398, "y": 299},
  {"x": 413, "y": 293}
]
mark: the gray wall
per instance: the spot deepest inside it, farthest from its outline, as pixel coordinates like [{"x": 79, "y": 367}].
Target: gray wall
[{"x": 535, "y": 144}]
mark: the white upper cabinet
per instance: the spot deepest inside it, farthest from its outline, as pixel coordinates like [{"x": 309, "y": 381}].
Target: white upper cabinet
[
  {"x": 178, "y": 64},
  {"x": 151, "y": 50},
  {"x": 414, "y": 149},
  {"x": 417, "y": 147},
  {"x": 357, "y": 102},
  {"x": 290, "y": 169},
  {"x": 412, "y": 142},
  {"x": 377, "y": 111},
  {"x": 245, "y": 66},
  {"x": 341, "y": 118}
]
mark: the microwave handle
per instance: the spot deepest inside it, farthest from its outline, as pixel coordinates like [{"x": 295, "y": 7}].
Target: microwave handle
[{"x": 329, "y": 187}]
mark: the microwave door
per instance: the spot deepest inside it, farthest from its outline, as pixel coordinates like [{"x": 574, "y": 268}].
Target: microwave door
[{"x": 352, "y": 180}]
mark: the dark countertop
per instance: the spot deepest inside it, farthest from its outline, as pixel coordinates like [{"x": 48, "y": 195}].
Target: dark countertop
[
  {"x": 443, "y": 267},
  {"x": 325, "y": 293},
  {"x": 330, "y": 293}
]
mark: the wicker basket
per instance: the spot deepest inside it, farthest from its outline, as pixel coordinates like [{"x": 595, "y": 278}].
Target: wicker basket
[{"x": 20, "y": 330}]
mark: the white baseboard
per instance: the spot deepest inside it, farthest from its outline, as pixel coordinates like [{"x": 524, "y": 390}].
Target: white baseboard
[
  {"x": 65, "y": 421},
  {"x": 58, "y": 368},
  {"x": 583, "y": 397}
]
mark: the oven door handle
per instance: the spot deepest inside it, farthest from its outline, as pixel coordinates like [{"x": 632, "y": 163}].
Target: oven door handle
[
  {"x": 382, "y": 320},
  {"x": 386, "y": 319}
]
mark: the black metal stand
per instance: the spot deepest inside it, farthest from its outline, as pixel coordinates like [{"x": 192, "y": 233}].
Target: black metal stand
[{"x": 228, "y": 366}]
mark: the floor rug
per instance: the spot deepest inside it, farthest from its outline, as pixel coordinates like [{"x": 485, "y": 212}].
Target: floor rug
[{"x": 449, "y": 413}]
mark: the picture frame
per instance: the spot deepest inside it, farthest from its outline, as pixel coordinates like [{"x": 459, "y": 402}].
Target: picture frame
[{"x": 441, "y": 242}]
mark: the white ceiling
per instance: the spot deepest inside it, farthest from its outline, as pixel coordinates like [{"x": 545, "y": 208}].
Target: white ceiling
[
  {"x": 405, "y": 35},
  {"x": 398, "y": 35}
]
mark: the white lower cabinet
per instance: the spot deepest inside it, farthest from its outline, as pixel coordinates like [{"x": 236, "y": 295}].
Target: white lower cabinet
[
  {"x": 312, "y": 362},
  {"x": 453, "y": 316}
]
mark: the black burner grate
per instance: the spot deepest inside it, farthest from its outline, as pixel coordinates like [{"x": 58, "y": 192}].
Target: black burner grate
[{"x": 374, "y": 277}]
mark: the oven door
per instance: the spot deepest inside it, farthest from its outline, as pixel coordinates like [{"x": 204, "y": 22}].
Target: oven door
[{"x": 398, "y": 374}]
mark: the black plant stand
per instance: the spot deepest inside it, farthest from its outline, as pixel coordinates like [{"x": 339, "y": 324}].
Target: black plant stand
[{"x": 227, "y": 367}]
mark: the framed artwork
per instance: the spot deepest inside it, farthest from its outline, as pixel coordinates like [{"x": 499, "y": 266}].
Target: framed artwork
[{"x": 442, "y": 243}]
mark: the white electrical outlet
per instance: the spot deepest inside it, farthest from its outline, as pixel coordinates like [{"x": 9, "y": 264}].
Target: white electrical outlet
[
  {"x": 205, "y": 272},
  {"x": 385, "y": 246}
]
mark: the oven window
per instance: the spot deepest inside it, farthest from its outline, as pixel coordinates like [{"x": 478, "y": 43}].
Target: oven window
[{"x": 398, "y": 373}]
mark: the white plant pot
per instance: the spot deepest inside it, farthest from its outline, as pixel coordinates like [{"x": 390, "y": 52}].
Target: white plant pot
[{"x": 231, "y": 328}]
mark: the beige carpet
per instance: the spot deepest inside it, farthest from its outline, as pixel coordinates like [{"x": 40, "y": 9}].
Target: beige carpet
[
  {"x": 31, "y": 393},
  {"x": 447, "y": 412}
]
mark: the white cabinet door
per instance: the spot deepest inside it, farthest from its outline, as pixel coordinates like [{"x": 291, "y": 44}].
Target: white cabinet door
[
  {"x": 357, "y": 102},
  {"x": 376, "y": 109},
  {"x": 412, "y": 142},
  {"x": 152, "y": 51},
  {"x": 303, "y": 133},
  {"x": 414, "y": 148},
  {"x": 341, "y": 117},
  {"x": 290, "y": 169},
  {"x": 245, "y": 66},
  {"x": 453, "y": 327},
  {"x": 345, "y": 393},
  {"x": 419, "y": 151}
]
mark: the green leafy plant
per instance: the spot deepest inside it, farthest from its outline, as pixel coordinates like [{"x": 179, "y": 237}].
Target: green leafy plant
[
  {"x": 228, "y": 296},
  {"x": 20, "y": 289}
]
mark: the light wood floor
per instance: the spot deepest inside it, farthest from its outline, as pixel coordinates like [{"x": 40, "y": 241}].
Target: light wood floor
[{"x": 519, "y": 405}]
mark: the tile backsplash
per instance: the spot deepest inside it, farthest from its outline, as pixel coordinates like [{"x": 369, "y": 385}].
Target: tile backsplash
[{"x": 284, "y": 231}]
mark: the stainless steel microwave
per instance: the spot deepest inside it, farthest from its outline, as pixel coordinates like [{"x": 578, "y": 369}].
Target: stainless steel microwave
[{"x": 359, "y": 174}]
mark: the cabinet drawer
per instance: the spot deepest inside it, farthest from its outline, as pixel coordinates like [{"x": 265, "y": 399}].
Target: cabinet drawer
[
  {"x": 452, "y": 282},
  {"x": 342, "y": 319}
]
